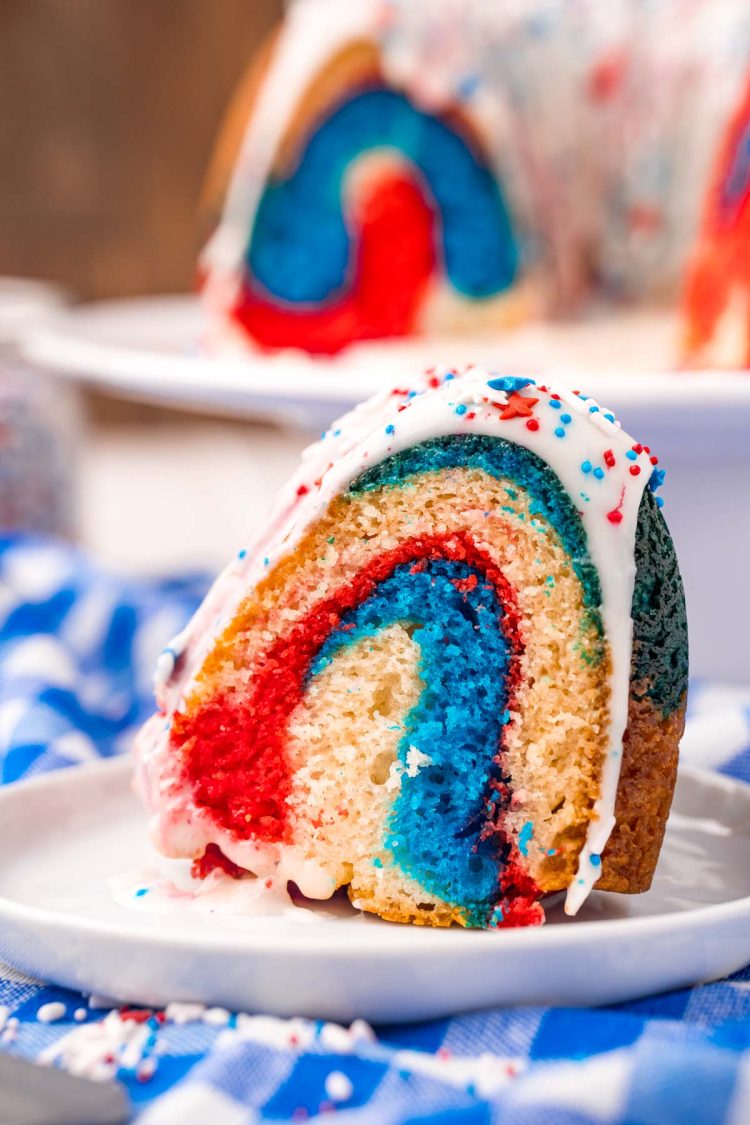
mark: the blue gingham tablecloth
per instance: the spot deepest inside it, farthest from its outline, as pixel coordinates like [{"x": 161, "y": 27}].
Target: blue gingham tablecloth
[{"x": 77, "y": 645}]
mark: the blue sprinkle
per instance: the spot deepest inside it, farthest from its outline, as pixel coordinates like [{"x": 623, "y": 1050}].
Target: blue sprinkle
[
  {"x": 412, "y": 394},
  {"x": 585, "y": 497},
  {"x": 593, "y": 410},
  {"x": 551, "y": 851},
  {"x": 509, "y": 383},
  {"x": 336, "y": 433},
  {"x": 586, "y": 466},
  {"x": 660, "y": 501},
  {"x": 377, "y": 862},
  {"x": 595, "y": 860},
  {"x": 242, "y": 554},
  {"x": 449, "y": 376},
  {"x": 524, "y": 838},
  {"x": 565, "y": 419},
  {"x": 583, "y": 398},
  {"x": 555, "y": 403},
  {"x": 141, "y": 892},
  {"x": 599, "y": 473},
  {"x": 461, "y": 409},
  {"x": 656, "y": 480},
  {"x": 265, "y": 561},
  {"x": 609, "y": 417},
  {"x": 631, "y": 455},
  {"x": 390, "y": 428},
  {"x": 559, "y": 431}
]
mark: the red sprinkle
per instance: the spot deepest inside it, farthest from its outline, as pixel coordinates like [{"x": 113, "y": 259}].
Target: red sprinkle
[
  {"x": 615, "y": 516},
  {"x": 532, "y": 424},
  {"x": 135, "y": 1015},
  {"x": 654, "y": 460},
  {"x": 638, "y": 448},
  {"x": 609, "y": 458},
  {"x": 302, "y": 490},
  {"x": 517, "y": 406},
  {"x": 635, "y": 470}
]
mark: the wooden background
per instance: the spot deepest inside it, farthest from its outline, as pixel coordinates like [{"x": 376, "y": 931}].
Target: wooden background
[{"x": 109, "y": 113}]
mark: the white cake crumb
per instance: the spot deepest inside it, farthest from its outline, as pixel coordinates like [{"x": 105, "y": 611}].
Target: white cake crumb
[
  {"x": 50, "y": 1013},
  {"x": 338, "y": 1087}
]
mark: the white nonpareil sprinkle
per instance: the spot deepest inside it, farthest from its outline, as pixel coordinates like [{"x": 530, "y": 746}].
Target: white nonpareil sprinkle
[
  {"x": 338, "y": 1087},
  {"x": 361, "y": 1032},
  {"x": 79, "y": 1014},
  {"x": 178, "y": 1012},
  {"x": 50, "y": 1013},
  {"x": 99, "y": 1048},
  {"x": 216, "y": 1017}
]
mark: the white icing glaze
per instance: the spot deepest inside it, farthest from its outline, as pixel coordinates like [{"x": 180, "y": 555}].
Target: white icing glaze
[
  {"x": 386, "y": 424},
  {"x": 168, "y": 887}
]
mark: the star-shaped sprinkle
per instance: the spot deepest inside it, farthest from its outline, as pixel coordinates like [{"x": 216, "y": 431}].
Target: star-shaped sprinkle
[
  {"x": 509, "y": 383},
  {"x": 656, "y": 479},
  {"x": 518, "y": 406}
]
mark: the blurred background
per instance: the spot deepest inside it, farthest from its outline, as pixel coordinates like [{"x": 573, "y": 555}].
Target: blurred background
[
  {"x": 111, "y": 111},
  {"x": 115, "y": 109}
]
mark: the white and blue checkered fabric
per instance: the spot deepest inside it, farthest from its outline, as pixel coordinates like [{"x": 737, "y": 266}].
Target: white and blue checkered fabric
[{"x": 76, "y": 649}]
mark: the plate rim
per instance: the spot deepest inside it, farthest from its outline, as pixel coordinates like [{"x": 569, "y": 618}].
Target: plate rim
[
  {"x": 202, "y": 379},
  {"x": 435, "y": 941}
]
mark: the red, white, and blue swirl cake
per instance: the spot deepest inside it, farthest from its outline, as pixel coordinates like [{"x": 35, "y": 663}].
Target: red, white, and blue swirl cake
[
  {"x": 452, "y": 675},
  {"x": 717, "y": 288},
  {"x": 409, "y": 168},
  {"x": 355, "y": 211}
]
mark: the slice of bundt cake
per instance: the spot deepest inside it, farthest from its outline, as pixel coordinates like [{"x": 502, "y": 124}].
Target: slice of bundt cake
[{"x": 451, "y": 677}]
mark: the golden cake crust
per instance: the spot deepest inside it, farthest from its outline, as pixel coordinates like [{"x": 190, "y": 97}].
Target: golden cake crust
[{"x": 644, "y": 795}]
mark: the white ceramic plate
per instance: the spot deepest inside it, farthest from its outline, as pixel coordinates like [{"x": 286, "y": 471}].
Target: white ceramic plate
[
  {"x": 64, "y": 836},
  {"x": 23, "y": 303},
  {"x": 149, "y": 348}
]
